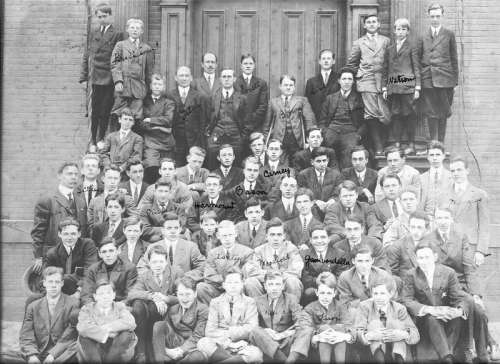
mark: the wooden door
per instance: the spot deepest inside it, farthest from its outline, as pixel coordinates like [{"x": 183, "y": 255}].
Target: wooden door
[{"x": 284, "y": 35}]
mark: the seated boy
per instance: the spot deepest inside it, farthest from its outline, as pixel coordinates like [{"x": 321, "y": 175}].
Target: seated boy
[
  {"x": 114, "y": 204},
  {"x": 206, "y": 238},
  {"x": 106, "y": 328},
  {"x": 176, "y": 337},
  {"x": 283, "y": 333},
  {"x": 192, "y": 174},
  {"x": 384, "y": 324},
  {"x": 231, "y": 318}
]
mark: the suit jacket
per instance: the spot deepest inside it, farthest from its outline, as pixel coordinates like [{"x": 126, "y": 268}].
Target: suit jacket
[
  {"x": 217, "y": 263},
  {"x": 191, "y": 325},
  {"x": 445, "y": 290},
  {"x": 243, "y": 320},
  {"x": 336, "y": 215},
  {"x": 240, "y": 196},
  {"x": 96, "y": 65},
  {"x": 257, "y": 95},
  {"x": 401, "y": 256},
  {"x": 470, "y": 211},
  {"x": 100, "y": 231},
  {"x": 234, "y": 177},
  {"x": 244, "y": 234},
  {"x": 299, "y": 114},
  {"x": 287, "y": 260},
  {"x": 122, "y": 152},
  {"x": 201, "y": 85},
  {"x": 316, "y": 90},
  {"x": 439, "y": 59},
  {"x": 126, "y": 186},
  {"x": 457, "y": 254},
  {"x": 382, "y": 211},
  {"x": 313, "y": 265},
  {"x": 409, "y": 176},
  {"x": 331, "y": 180},
  {"x": 239, "y": 114},
  {"x": 378, "y": 255},
  {"x": 356, "y": 108},
  {"x": 123, "y": 275},
  {"x": 152, "y": 218},
  {"x": 401, "y": 71},
  {"x": 431, "y": 192},
  {"x": 181, "y": 196},
  {"x": 50, "y": 210},
  {"x": 336, "y": 314},
  {"x": 84, "y": 254},
  {"x": 139, "y": 250},
  {"x": 368, "y": 61},
  {"x": 369, "y": 182},
  {"x": 302, "y": 159},
  {"x": 274, "y": 180},
  {"x": 397, "y": 230},
  {"x": 278, "y": 210},
  {"x": 286, "y": 313},
  {"x": 161, "y": 114},
  {"x": 200, "y": 176},
  {"x": 132, "y": 66},
  {"x": 81, "y": 191},
  {"x": 41, "y": 333},
  {"x": 96, "y": 212},
  {"x": 294, "y": 231},
  {"x": 224, "y": 208},
  {"x": 191, "y": 118},
  {"x": 204, "y": 242}
]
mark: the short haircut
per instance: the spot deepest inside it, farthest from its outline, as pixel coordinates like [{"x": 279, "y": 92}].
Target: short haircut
[
  {"x": 290, "y": 77},
  {"x": 112, "y": 167},
  {"x": 167, "y": 159},
  {"x": 126, "y": 111},
  {"x": 134, "y": 162},
  {"x": 158, "y": 77},
  {"x": 388, "y": 282},
  {"x": 227, "y": 69},
  {"x": 324, "y": 51},
  {"x": 91, "y": 156},
  {"x": 426, "y": 244},
  {"x": 132, "y": 220},
  {"x": 107, "y": 240},
  {"x": 136, "y": 21},
  {"x": 328, "y": 279},
  {"x": 253, "y": 201},
  {"x": 199, "y": 151},
  {"x": 403, "y": 23},
  {"x": 435, "y": 144},
  {"x": 387, "y": 176},
  {"x": 459, "y": 158},
  {"x": 158, "y": 249},
  {"x": 214, "y": 175},
  {"x": 209, "y": 215},
  {"x": 272, "y": 274},
  {"x": 317, "y": 226},
  {"x": 347, "y": 70},
  {"x": 170, "y": 216},
  {"x": 274, "y": 222},
  {"x": 394, "y": 149},
  {"x": 318, "y": 152},
  {"x": 409, "y": 189},
  {"x": 163, "y": 182},
  {"x": 435, "y": 6},
  {"x": 103, "y": 8},
  {"x": 420, "y": 215},
  {"x": 314, "y": 129},
  {"x": 362, "y": 248},
  {"x": 69, "y": 221},
  {"x": 233, "y": 270},
  {"x": 50, "y": 270},
  {"x": 250, "y": 159},
  {"x": 186, "y": 282},
  {"x": 273, "y": 140},
  {"x": 206, "y": 53},
  {"x": 115, "y": 196},
  {"x": 360, "y": 148},
  {"x": 104, "y": 282},
  {"x": 247, "y": 55},
  {"x": 348, "y": 185},
  {"x": 370, "y": 16},
  {"x": 225, "y": 224},
  {"x": 304, "y": 191},
  {"x": 224, "y": 146},
  {"x": 444, "y": 208},
  {"x": 355, "y": 218},
  {"x": 256, "y": 136},
  {"x": 65, "y": 165}
]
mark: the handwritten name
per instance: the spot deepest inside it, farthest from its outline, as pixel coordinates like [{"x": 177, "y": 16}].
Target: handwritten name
[
  {"x": 275, "y": 260},
  {"x": 90, "y": 188},
  {"x": 274, "y": 173},
  {"x": 239, "y": 191},
  {"x": 228, "y": 258},
  {"x": 154, "y": 211},
  {"x": 213, "y": 205},
  {"x": 401, "y": 79},
  {"x": 341, "y": 261},
  {"x": 119, "y": 58}
]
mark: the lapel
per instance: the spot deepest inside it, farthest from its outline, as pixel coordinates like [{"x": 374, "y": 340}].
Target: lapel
[
  {"x": 366, "y": 42},
  {"x": 217, "y": 99},
  {"x": 385, "y": 208},
  {"x": 293, "y": 101},
  {"x": 43, "y": 309},
  {"x": 440, "y": 37},
  {"x": 404, "y": 46},
  {"x": 125, "y": 140},
  {"x": 63, "y": 200},
  {"x": 117, "y": 269},
  {"x": 265, "y": 310},
  {"x": 118, "y": 231},
  {"x": 180, "y": 249},
  {"x": 58, "y": 310},
  {"x": 279, "y": 310},
  {"x": 139, "y": 249},
  {"x": 462, "y": 200},
  {"x": 189, "y": 97},
  {"x": 410, "y": 249},
  {"x": 236, "y": 101}
]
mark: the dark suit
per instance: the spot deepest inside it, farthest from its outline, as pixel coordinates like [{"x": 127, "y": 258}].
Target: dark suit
[
  {"x": 302, "y": 159},
  {"x": 83, "y": 191},
  {"x": 197, "y": 185},
  {"x": 379, "y": 259},
  {"x": 152, "y": 217},
  {"x": 50, "y": 210},
  {"x": 369, "y": 182},
  {"x": 204, "y": 242},
  {"x": 121, "y": 152},
  {"x": 240, "y": 196},
  {"x": 139, "y": 250},
  {"x": 224, "y": 208},
  {"x": 257, "y": 94},
  {"x": 382, "y": 210},
  {"x": 295, "y": 233},
  {"x": 96, "y": 213},
  {"x": 100, "y": 231},
  {"x": 233, "y": 178},
  {"x": 401, "y": 256},
  {"x": 316, "y": 90},
  {"x": 201, "y": 85},
  {"x": 244, "y": 234},
  {"x": 331, "y": 179},
  {"x": 278, "y": 210},
  {"x": 127, "y": 187},
  {"x": 404, "y": 63}
]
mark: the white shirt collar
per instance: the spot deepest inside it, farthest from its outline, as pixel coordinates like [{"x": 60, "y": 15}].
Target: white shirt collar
[
  {"x": 87, "y": 183},
  {"x": 224, "y": 91},
  {"x": 283, "y": 97},
  {"x": 247, "y": 77},
  {"x": 190, "y": 171},
  {"x": 215, "y": 200},
  {"x": 318, "y": 173},
  {"x": 105, "y": 28},
  {"x": 181, "y": 89},
  {"x": 287, "y": 201},
  {"x": 433, "y": 170},
  {"x": 435, "y": 29},
  {"x": 274, "y": 164},
  {"x": 256, "y": 226},
  {"x": 361, "y": 277},
  {"x": 53, "y": 301},
  {"x": 212, "y": 76},
  {"x": 345, "y": 93},
  {"x": 116, "y": 223},
  {"x": 447, "y": 233},
  {"x": 461, "y": 186},
  {"x": 400, "y": 42},
  {"x": 124, "y": 133},
  {"x": 65, "y": 190},
  {"x": 370, "y": 36},
  {"x": 307, "y": 217},
  {"x": 136, "y": 41},
  {"x": 430, "y": 276},
  {"x": 361, "y": 174},
  {"x": 133, "y": 185},
  {"x": 68, "y": 248},
  {"x": 246, "y": 185},
  {"x": 326, "y": 73},
  {"x": 170, "y": 243}
]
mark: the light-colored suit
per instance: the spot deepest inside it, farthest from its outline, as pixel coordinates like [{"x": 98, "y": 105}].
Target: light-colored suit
[
  {"x": 244, "y": 234},
  {"x": 122, "y": 152},
  {"x": 409, "y": 176},
  {"x": 431, "y": 191}
]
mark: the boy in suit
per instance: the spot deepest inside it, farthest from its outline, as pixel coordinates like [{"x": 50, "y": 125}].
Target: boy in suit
[
  {"x": 113, "y": 227},
  {"x": 176, "y": 337},
  {"x": 401, "y": 84},
  {"x": 135, "y": 186},
  {"x": 384, "y": 324},
  {"x": 330, "y": 321},
  {"x": 131, "y": 65},
  {"x": 150, "y": 297},
  {"x": 388, "y": 209},
  {"x": 231, "y": 318},
  {"x": 252, "y": 232},
  {"x": 105, "y": 328},
  {"x": 283, "y": 334},
  {"x": 284, "y": 208},
  {"x": 322, "y": 84},
  {"x": 437, "y": 50},
  {"x": 73, "y": 254},
  {"x": 96, "y": 71},
  {"x": 367, "y": 58},
  {"x": 91, "y": 184},
  {"x": 365, "y": 178},
  {"x": 208, "y": 84},
  {"x": 156, "y": 127},
  {"x": 231, "y": 174},
  {"x": 302, "y": 159},
  {"x": 192, "y": 174},
  {"x": 273, "y": 170},
  {"x": 400, "y": 227},
  {"x": 205, "y": 238},
  {"x": 257, "y": 142},
  {"x": 123, "y": 146},
  {"x": 297, "y": 229},
  {"x": 288, "y": 118},
  {"x": 134, "y": 247}
]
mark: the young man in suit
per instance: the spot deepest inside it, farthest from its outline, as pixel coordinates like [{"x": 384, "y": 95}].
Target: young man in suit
[
  {"x": 73, "y": 254},
  {"x": 347, "y": 205},
  {"x": 131, "y": 66},
  {"x": 320, "y": 179},
  {"x": 322, "y": 84},
  {"x": 273, "y": 170},
  {"x": 123, "y": 146},
  {"x": 134, "y": 247},
  {"x": 302, "y": 159},
  {"x": 96, "y": 72},
  {"x": 365, "y": 178},
  {"x": 252, "y": 231},
  {"x": 436, "y": 179},
  {"x": 401, "y": 84},
  {"x": 285, "y": 207},
  {"x": 205, "y": 238},
  {"x": 297, "y": 229},
  {"x": 367, "y": 58},
  {"x": 283, "y": 333},
  {"x": 110, "y": 268},
  {"x": 150, "y": 297},
  {"x": 231, "y": 318},
  {"x": 51, "y": 209},
  {"x": 192, "y": 174},
  {"x": 437, "y": 50},
  {"x": 469, "y": 205},
  {"x": 191, "y": 114},
  {"x": 432, "y": 294},
  {"x": 112, "y": 227},
  {"x": 341, "y": 118},
  {"x": 396, "y": 164},
  {"x": 257, "y": 142},
  {"x": 105, "y": 328},
  {"x": 289, "y": 118},
  {"x": 400, "y": 227},
  {"x": 231, "y": 174},
  {"x": 388, "y": 209},
  {"x": 156, "y": 127},
  {"x": 135, "y": 186},
  {"x": 90, "y": 185},
  {"x": 176, "y": 337},
  {"x": 208, "y": 84},
  {"x": 222, "y": 258}
]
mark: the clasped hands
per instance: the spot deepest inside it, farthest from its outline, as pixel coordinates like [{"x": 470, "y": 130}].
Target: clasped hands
[
  {"x": 332, "y": 337},
  {"x": 159, "y": 300},
  {"x": 386, "y": 335},
  {"x": 278, "y": 336},
  {"x": 444, "y": 313}
]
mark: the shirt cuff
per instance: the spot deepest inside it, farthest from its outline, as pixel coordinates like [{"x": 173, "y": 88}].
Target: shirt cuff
[{"x": 417, "y": 88}]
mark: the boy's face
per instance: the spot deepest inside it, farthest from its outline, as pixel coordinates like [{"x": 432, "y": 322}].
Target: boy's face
[
  {"x": 167, "y": 170},
  {"x": 346, "y": 81},
  {"x": 227, "y": 78},
  {"x": 372, "y": 25},
  {"x": 158, "y": 263},
  {"x": 157, "y": 87},
  {"x": 320, "y": 163},
  {"x": 353, "y": 230},
  {"x": 254, "y": 214},
  {"x": 114, "y": 210},
  {"x": 135, "y": 30},
  {"x": 69, "y": 235},
  {"x": 126, "y": 122},
  {"x": 426, "y": 258},
  {"x": 186, "y": 296},
  {"x": 213, "y": 187},
  {"x": 170, "y": 229},
  {"x": 274, "y": 287},
  {"x": 53, "y": 284},
  {"x": 227, "y": 236},
  {"x": 409, "y": 202},
  {"x": 257, "y": 147},
  {"x": 111, "y": 180},
  {"x": 436, "y": 17},
  {"x": 132, "y": 232},
  {"x": 251, "y": 171},
  {"x": 90, "y": 169},
  {"x": 363, "y": 263},
  {"x": 381, "y": 295},
  {"x": 209, "y": 63},
  {"x": 104, "y": 295},
  {"x": 275, "y": 236},
  {"x": 325, "y": 295},
  {"x": 208, "y": 226},
  {"x": 348, "y": 198},
  {"x": 247, "y": 66},
  {"x": 184, "y": 77},
  {"x": 319, "y": 240},
  {"x": 69, "y": 176},
  {"x": 435, "y": 157},
  {"x": 195, "y": 161},
  {"x": 162, "y": 194},
  {"x": 108, "y": 253},
  {"x": 417, "y": 229},
  {"x": 103, "y": 18},
  {"x": 359, "y": 161},
  {"x": 288, "y": 187},
  {"x": 274, "y": 151},
  {"x": 401, "y": 32},
  {"x": 136, "y": 173},
  {"x": 315, "y": 139},
  {"x": 226, "y": 157},
  {"x": 443, "y": 220},
  {"x": 287, "y": 87},
  {"x": 458, "y": 172},
  {"x": 304, "y": 204},
  {"x": 391, "y": 188},
  {"x": 326, "y": 61},
  {"x": 233, "y": 284},
  {"x": 395, "y": 162}
]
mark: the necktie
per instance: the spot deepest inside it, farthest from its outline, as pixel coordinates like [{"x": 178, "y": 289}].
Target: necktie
[
  {"x": 436, "y": 178},
  {"x": 136, "y": 195},
  {"x": 111, "y": 229},
  {"x": 325, "y": 78},
  {"x": 154, "y": 100},
  {"x": 394, "y": 209},
  {"x": 304, "y": 225},
  {"x": 383, "y": 317},
  {"x": 271, "y": 312},
  {"x": 158, "y": 280},
  {"x": 275, "y": 256},
  {"x": 286, "y": 102},
  {"x": 364, "y": 280},
  {"x": 69, "y": 262},
  {"x": 320, "y": 179},
  {"x": 209, "y": 80},
  {"x": 103, "y": 30},
  {"x": 122, "y": 135},
  {"x": 349, "y": 211},
  {"x": 445, "y": 238},
  {"x": 224, "y": 171},
  {"x": 89, "y": 194},
  {"x": 162, "y": 207},
  {"x": 171, "y": 254},
  {"x": 227, "y": 255},
  {"x": 434, "y": 33},
  {"x": 251, "y": 186},
  {"x": 254, "y": 232},
  {"x": 72, "y": 204},
  {"x": 289, "y": 209},
  {"x": 227, "y": 95},
  {"x": 52, "y": 307},
  {"x": 231, "y": 307},
  {"x": 248, "y": 81},
  {"x": 183, "y": 96},
  {"x": 360, "y": 179}
]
